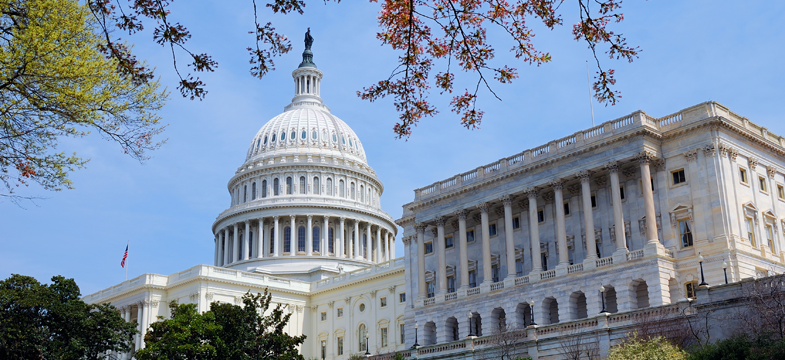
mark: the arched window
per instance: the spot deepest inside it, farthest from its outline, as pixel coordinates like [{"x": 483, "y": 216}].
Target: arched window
[
  {"x": 330, "y": 240},
  {"x": 287, "y": 239},
  {"x": 351, "y": 191},
  {"x": 329, "y": 187},
  {"x": 273, "y": 137},
  {"x": 264, "y": 188},
  {"x": 316, "y": 187},
  {"x": 283, "y": 136},
  {"x": 362, "y": 194},
  {"x": 276, "y": 186},
  {"x": 293, "y": 135},
  {"x": 370, "y": 199},
  {"x": 335, "y": 138},
  {"x": 288, "y": 185},
  {"x": 343, "y": 140},
  {"x": 265, "y": 139},
  {"x": 245, "y": 193},
  {"x": 302, "y": 185},
  {"x": 272, "y": 240},
  {"x": 361, "y": 337},
  {"x": 316, "y": 237},
  {"x": 314, "y": 135},
  {"x": 341, "y": 189},
  {"x": 253, "y": 191},
  {"x": 302, "y": 136},
  {"x": 301, "y": 238}
]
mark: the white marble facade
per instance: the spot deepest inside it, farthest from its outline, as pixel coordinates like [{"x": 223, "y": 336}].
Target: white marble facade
[{"x": 498, "y": 238}]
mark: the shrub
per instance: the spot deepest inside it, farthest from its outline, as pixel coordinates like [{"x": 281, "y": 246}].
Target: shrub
[{"x": 655, "y": 348}]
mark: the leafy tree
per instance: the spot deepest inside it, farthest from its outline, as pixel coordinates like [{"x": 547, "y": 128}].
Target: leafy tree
[
  {"x": 40, "y": 321},
  {"x": 638, "y": 348},
  {"x": 423, "y": 32},
  {"x": 226, "y": 331},
  {"x": 765, "y": 346},
  {"x": 55, "y": 82}
]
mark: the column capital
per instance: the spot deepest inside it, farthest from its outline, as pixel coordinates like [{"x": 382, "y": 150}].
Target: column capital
[
  {"x": 753, "y": 161},
  {"x": 275, "y": 218},
  {"x": 612, "y": 167},
  {"x": 532, "y": 192},
  {"x": 691, "y": 155},
  {"x": 406, "y": 240},
  {"x": 462, "y": 214},
  {"x": 557, "y": 184},
  {"x": 309, "y": 217},
  {"x": 483, "y": 207},
  {"x": 506, "y": 200},
  {"x": 645, "y": 157},
  {"x": 440, "y": 221},
  {"x": 343, "y": 219},
  {"x": 585, "y": 175},
  {"x": 420, "y": 227},
  {"x": 292, "y": 217},
  {"x": 771, "y": 170}
]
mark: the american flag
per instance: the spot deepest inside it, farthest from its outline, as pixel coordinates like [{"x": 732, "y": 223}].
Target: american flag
[{"x": 125, "y": 256}]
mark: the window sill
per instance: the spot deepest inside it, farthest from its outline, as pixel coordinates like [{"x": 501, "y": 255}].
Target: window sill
[{"x": 679, "y": 185}]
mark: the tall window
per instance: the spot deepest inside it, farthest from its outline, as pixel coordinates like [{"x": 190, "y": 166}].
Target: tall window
[
  {"x": 403, "y": 336},
  {"x": 540, "y": 216},
  {"x": 689, "y": 289},
  {"x": 369, "y": 196},
  {"x": 302, "y": 185},
  {"x": 750, "y": 231},
  {"x": 492, "y": 229},
  {"x": 495, "y": 273},
  {"x": 351, "y": 191},
  {"x": 518, "y": 267},
  {"x": 685, "y": 233},
  {"x": 329, "y": 187},
  {"x": 770, "y": 237},
  {"x": 516, "y": 222},
  {"x": 362, "y": 194},
  {"x": 451, "y": 284},
  {"x": 473, "y": 279},
  {"x": 341, "y": 188},
  {"x": 289, "y": 185},
  {"x": 365, "y": 245},
  {"x": 316, "y": 187},
  {"x": 544, "y": 259},
  {"x": 301, "y": 238},
  {"x": 448, "y": 242},
  {"x": 430, "y": 287},
  {"x": 264, "y": 188},
  {"x": 743, "y": 175},
  {"x": 566, "y": 208},
  {"x": 272, "y": 240},
  {"x": 253, "y": 191},
  {"x": 384, "y": 337},
  {"x": 361, "y": 336},
  {"x": 276, "y": 186},
  {"x": 597, "y": 247},
  {"x": 593, "y": 201},
  {"x": 287, "y": 239},
  {"x": 470, "y": 236},
  {"x": 429, "y": 247},
  {"x": 340, "y": 345},
  {"x": 762, "y": 183},
  {"x": 245, "y": 193},
  {"x": 316, "y": 238},
  {"x": 250, "y": 245},
  {"x": 330, "y": 240}
]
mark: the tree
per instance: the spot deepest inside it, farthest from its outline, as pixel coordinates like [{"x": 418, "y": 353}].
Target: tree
[
  {"x": 576, "y": 342},
  {"x": 55, "y": 83},
  {"x": 426, "y": 33},
  {"x": 764, "y": 346},
  {"x": 764, "y": 310},
  {"x": 505, "y": 342},
  {"x": 637, "y": 348},
  {"x": 226, "y": 331},
  {"x": 40, "y": 321}
]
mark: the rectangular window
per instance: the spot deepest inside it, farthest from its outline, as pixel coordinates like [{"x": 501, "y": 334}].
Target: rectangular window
[
  {"x": 451, "y": 284},
  {"x": 621, "y": 192},
  {"x": 540, "y": 216},
  {"x": 448, "y": 242},
  {"x": 403, "y": 334},
  {"x": 750, "y": 231},
  {"x": 324, "y": 315},
  {"x": 340, "y": 345},
  {"x": 429, "y": 247},
  {"x": 473, "y": 279},
  {"x": 762, "y": 182},
  {"x": 544, "y": 259},
  {"x": 495, "y": 273},
  {"x": 384, "y": 337},
  {"x": 686, "y": 233},
  {"x": 516, "y": 222},
  {"x": 689, "y": 289},
  {"x": 492, "y": 229},
  {"x": 340, "y": 312},
  {"x": 678, "y": 176},
  {"x": 383, "y": 302},
  {"x": 743, "y": 175},
  {"x": 429, "y": 286},
  {"x": 402, "y": 297},
  {"x": 593, "y": 201},
  {"x": 566, "y": 208},
  {"x": 470, "y": 236},
  {"x": 780, "y": 192},
  {"x": 518, "y": 267},
  {"x": 770, "y": 237}
]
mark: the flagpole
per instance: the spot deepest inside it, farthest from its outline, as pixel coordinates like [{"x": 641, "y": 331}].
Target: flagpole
[
  {"x": 127, "y": 246},
  {"x": 591, "y": 102}
]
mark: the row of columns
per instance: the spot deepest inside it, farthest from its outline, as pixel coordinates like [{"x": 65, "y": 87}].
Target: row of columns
[
  {"x": 307, "y": 85},
  {"x": 644, "y": 159},
  {"x": 383, "y": 249},
  {"x": 142, "y": 309}
]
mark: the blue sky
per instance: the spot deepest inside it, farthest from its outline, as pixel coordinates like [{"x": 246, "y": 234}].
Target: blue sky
[{"x": 693, "y": 51}]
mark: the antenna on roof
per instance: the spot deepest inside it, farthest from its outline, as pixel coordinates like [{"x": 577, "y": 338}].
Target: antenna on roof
[{"x": 591, "y": 102}]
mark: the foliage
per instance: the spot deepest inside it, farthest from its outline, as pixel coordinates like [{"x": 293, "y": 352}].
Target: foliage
[
  {"x": 743, "y": 347},
  {"x": 226, "y": 331},
  {"x": 638, "y": 348},
  {"x": 421, "y": 31},
  {"x": 764, "y": 312},
  {"x": 54, "y": 83},
  {"x": 40, "y": 321}
]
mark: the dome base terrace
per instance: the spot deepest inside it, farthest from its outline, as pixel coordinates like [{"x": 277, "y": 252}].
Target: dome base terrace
[{"x": 300, "y": 267}]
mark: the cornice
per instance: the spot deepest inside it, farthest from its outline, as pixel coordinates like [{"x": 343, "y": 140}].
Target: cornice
[
  {"x": 304, "y": 167},
  {"x": 361, "y": 280}
]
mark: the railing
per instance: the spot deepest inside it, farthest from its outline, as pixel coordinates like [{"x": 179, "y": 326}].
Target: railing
[
  {"x": 595, "y": 131},
  {"x": 574, "y": 268},
  {"x": 497, "y": 286},
  {"x": 566, "y": 141},
  {"x": 620, "y": 123},
  {"x": 429, "y": 301},
  {"x": 635, "y": 255},
  {"x": 450, "y": 296},
  {"x": 473, "y": 291},
  {"x": 542, "y": 150},
  {"x": 670, "y": 119},
  {"x": 225, "y": 271},
  {"x": 494, "y": 167},
  {"x": 550, "y": 274},
  {"x": 430, "y": 189},
  {"x": 604, "y": 261},
  {"x": 444, "y": 347},
  {"x": 515, "y": 159},
  {"x": 448, "y": 183},
  {"x": 469, "y": 176},
  {"x": 523, "y": 280}
]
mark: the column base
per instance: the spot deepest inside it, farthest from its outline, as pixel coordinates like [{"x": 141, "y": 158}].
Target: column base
[
  {"x": 462, "y": 291},
  {"x": 620, "y": 256},
  {"x": 509, "y": 281},
  {"x": 589, "y": 264},
  {"x": 561, "y": 269},
  {"x": 534, "y": 276},
  {"x": 653, "y": 249},
  {"x": 485, "y": 287}
]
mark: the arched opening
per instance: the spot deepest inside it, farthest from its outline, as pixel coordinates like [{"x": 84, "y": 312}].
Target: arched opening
[
  {"x": 276, "y": 187},
  {"x": 550, "y": 309},
  {"x": 264, "y": 188},
  {"x": 316, "y": 187},
  {"x": 452, "y": 325},
  {"x": 498, "y": 321},
  {"x": 610, "y": 299},
  {"x": 429, "y": 333},
  {"x": 289, "y": 185},
  {"x": 253, "y": 191},
  {"x": 330, "y": 240},
  {"x": 523, "y": 315},
  {"x": 351, "y": 191},
  {"x": 361, "y": 332},
  {"x": 578, "y": 305},
  {"x": 287, "y": 239},
  {"x": 476, "y": 324},
  {"x": 341, "y": 189},
  {"x": 301, "y": 238},
  {"x": 316, "y": 237},
  {"x": 302, "y": 185},
  {"x": 329, "y": 187},
  {"x": 641, "y": 292}
]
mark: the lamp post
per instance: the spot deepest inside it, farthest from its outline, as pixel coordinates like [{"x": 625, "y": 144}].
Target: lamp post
[
  {"x": 700, "y": 262},
  {"x": 531, "y": 308},
  {"x": 470, "y": 324},
  {"x": 416, "y": 345},
  {"x": 725, "y": 270},
  {"x": 602, "y": 296},
  {"x": 367, "y": 349}
]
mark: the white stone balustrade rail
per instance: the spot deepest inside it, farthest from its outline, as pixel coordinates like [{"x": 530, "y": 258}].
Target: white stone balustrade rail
[
  {"x": 604, "y": 261},
  {"x": 635, "y": 255},
  {"x": 394, "y": 264}
]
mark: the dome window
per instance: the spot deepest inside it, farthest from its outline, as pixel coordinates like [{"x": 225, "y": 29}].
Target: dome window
[
  {"x": 303, "y": 136},
  {"x": 283, "y": 136},
  {"x": 302, "y": 185},
  {"x": 350, "y": 142},
  {"x": 289, "y": 185},
  {"x": 335, "y": 138},
  {"x": 314, "y": 135},
  {"x": 276, "y": 187},
  {"x": 294, "y": 135},
  {"x": 329, "y": 187},
  {"x": 264, "y": 188},
  {"x": 258, "y": 142},
  {"x": 265, "y": 140},
  {"x": 316, "y": 186},
  {"x": 273, "y": 137}
]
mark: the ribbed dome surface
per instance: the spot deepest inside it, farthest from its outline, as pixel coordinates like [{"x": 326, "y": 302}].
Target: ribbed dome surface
[{"x": 306, "y": 130}]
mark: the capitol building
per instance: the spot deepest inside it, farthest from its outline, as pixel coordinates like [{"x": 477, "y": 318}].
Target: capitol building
[{"x": 580, "y": 233}]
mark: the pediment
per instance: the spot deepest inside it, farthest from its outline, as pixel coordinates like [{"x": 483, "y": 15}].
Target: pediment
[
  {"x": 750, "y": 206},
  {"x": 680, "y": 207},
  {"x": 769, "y": 214}
]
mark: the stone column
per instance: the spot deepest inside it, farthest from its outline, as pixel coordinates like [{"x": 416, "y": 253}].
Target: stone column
[
  {"x": 508, "y": 237},
  {"x": 247, "y": 241},
  {"x": 225, "y": 247},
  {"x": 139, "y": 318},
  {"x": 309, "y": 236},
  {"x": 358, "y": 253},
  {"x": 215, "y": 255},
  {"x": 487, "y": 275},
  {"x": 464, "y": 256},
  {"x": 368, "y": 243},
  {"x": 276, "y": 237},
  {"x": 561, "y": 226},
  {"x": 236, "y": 244},
  {"x": 339, "y": 238},
  {"x": 127, "y": 318},
  {"x": 378, "y": 251},
  {"x": 143, "y": 323},
  {"x": 618, "y": 216},
  {"x": 392, "y": 245},
  {"x": 421, "y": 290},
  {"x": 534, "y": 230},
  {"x": 648, "y": 199},
  {"x": 441, "y": 272},
  {"x": 260, "y": 238},
  {"x": 588, "y": 216},
  {"x": 292, "y": 236},
  {"x": 325, "y": 249}
]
